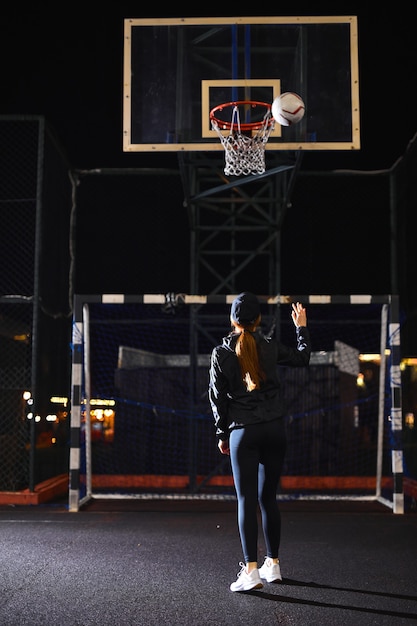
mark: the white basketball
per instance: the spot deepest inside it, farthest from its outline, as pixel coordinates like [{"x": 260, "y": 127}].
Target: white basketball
[{"x": 288, "y": 109}]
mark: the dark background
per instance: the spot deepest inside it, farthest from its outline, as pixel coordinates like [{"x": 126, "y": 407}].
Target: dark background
[
  {"x": 65, "y": 62},
  {"x": 67, "y": 65}
]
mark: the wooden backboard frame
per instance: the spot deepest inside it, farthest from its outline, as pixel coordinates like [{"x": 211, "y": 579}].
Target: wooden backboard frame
[{"x": 130, "y": 143}]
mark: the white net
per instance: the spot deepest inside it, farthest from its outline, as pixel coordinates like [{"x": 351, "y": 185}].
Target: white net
[{"x": 244, "y": 153}]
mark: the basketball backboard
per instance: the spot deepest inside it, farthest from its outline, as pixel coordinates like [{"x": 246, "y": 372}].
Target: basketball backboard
[{"x": 177, "y": 69}]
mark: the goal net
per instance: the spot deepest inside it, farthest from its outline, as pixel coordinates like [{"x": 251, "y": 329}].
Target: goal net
[{"x": 141, "y": 425}]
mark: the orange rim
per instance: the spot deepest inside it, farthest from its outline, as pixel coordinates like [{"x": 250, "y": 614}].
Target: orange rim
[{"x": 245, "y": 126}]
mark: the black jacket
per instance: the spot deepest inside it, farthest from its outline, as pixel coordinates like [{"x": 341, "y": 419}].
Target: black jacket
[{"x": 232, "y": 405}]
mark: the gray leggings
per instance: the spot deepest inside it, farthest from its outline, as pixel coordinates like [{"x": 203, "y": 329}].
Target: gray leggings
[{"x": 257, "y": 457}]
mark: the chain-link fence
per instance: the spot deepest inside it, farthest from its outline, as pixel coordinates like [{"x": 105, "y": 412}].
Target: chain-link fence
[
  {"x": 35, "y": 296},
  {"x": 38, "y": 203}
]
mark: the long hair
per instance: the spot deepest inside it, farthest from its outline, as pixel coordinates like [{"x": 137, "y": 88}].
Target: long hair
[{"x": 247, "y": 354}]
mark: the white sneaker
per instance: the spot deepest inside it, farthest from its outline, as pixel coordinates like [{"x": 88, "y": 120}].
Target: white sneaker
[
  {"x": 270, "y": 571},
  {"x": 245, "y": 581}
]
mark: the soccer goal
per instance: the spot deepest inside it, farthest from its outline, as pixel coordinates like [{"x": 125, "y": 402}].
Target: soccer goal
[{"x": 141, "y": 425}]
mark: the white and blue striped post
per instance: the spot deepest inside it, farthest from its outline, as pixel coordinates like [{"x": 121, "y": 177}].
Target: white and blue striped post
[
  {"x": 76, "y": 395},
  {"x": 397, "y": 457}
]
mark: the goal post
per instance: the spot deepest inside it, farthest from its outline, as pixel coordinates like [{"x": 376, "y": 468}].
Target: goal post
[{"x": 141, "y": 425}]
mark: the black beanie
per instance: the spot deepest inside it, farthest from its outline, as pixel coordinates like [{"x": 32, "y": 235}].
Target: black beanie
[{"x": 245, "y": 308}]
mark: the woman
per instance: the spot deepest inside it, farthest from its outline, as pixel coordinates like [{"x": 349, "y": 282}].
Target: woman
[{"x": 248, "y": 410}]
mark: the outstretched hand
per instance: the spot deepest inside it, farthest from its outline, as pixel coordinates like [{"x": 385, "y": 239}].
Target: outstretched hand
[{"x": 298, "y": 314}]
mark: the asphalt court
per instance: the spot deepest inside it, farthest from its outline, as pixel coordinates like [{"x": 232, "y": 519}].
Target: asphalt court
[{"x": 171, "y": 562}]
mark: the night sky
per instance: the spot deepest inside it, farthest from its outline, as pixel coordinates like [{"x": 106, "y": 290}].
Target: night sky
[
  {"x": 65, "y": 63},
  {"x": 67, "y": 66}
]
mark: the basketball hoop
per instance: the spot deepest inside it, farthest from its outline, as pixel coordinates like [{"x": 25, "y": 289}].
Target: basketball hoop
[{"x": 244, "y": 144}]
